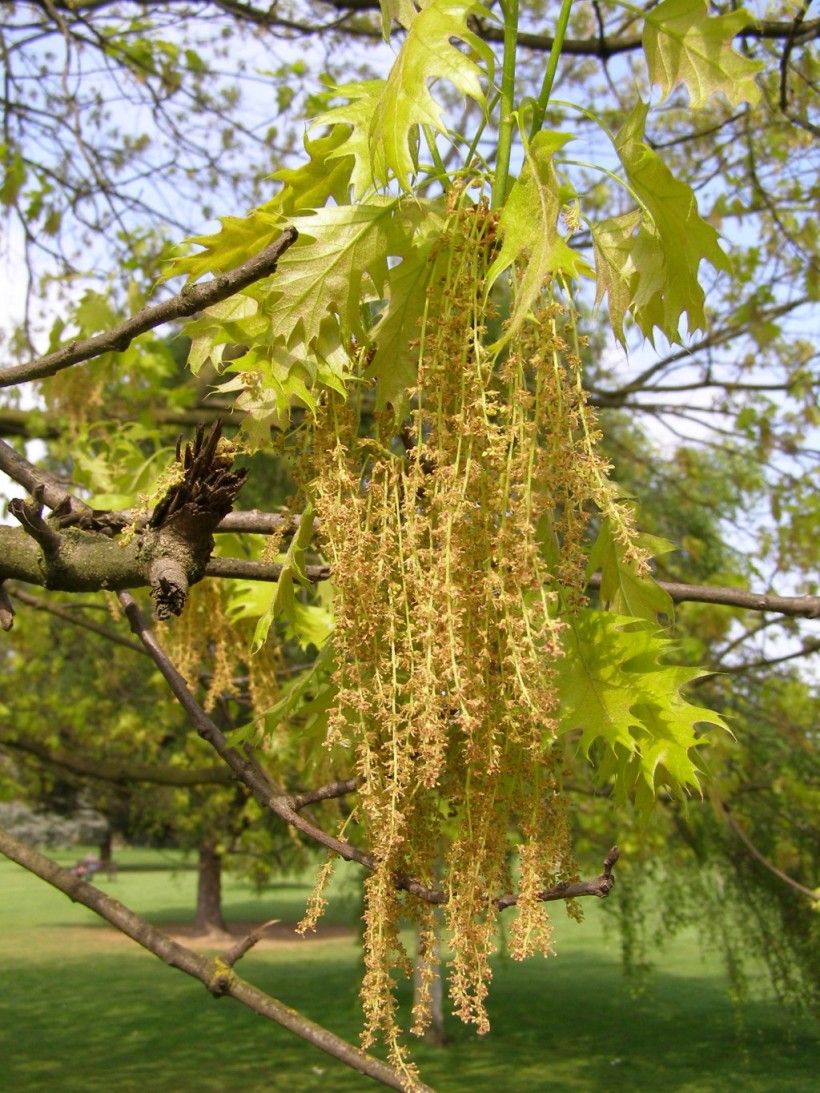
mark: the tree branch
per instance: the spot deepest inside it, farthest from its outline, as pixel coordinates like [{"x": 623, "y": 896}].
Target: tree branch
[
  {"x": 193, "y": 298},
  {"x": 795, "y": 606},
  {"x": 600, "y": 886},
  {"x": 600, "y": 46},
  {"x": 170, "y": 552},
  {"x": 215, "y": 974},
  {"x": 53, "y": 492},
  {"x": 764, "y": 861},
  {"x": 329, "y": 792},
  {"x": 120, "y": 772},
  {"x": 259, "y": 571},
  {"x": 76, "y": 620},
  {"x": 245, "y": 944}
]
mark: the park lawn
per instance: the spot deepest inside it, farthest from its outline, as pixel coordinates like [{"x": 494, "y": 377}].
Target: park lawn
[{"x": 82, "y": 1009}]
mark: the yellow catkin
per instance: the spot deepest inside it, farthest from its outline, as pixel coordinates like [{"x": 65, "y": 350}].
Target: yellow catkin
[{"x": 455, "y": 542}]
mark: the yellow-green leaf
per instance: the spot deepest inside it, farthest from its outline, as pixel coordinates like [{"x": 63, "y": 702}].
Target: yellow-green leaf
[
  {"x": 672, "y": 239},
  {"x": 402, "y": 12},
  {"x": 406, "y": 103},
  {"x": 323, "y": 272},
  {"x": 684, "y": 44},
  {"x": 614, "y": 271},
  {"x": 616, "y": 690},
  {"x": 239, "y": 238},
  {"x": 529, "y": 230}
]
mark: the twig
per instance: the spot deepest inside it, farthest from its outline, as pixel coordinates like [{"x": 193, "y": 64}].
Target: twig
[
  {"x": 28, "y": 476},
  {"x": 120, "y": 772},
  {"x": 211, "y": 971},
  {"x": 259, "y": 571},
  {"x": 756, "y": 854},
  {"x": 245, "y": 944},
  {"x": 193, "y": 298},
  {"x": 600, "y": 886},
  {"x": 76, "y": 620},
  {"x": 325, "y": 793}
]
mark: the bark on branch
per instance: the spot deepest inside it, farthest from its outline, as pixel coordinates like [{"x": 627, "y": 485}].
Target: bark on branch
[
  {"x": 215, "y": 974},
  {"x": 193, "y": 298},
  {"x": 807, "y": 607},
  {"x": 168, "y": 554}
]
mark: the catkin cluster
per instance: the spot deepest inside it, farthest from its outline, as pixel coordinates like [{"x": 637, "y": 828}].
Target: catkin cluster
[{"x": 456, "y": 544}]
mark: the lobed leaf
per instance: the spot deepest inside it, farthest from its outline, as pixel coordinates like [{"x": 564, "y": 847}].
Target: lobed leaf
[
  {"x": 529, "y": 230},
  {"x": 406, "y": 103},
  {"x": 239, "y": 238},
  {"x": 671, "y": 241},
  {"x": 624, "y": 589},
  {"x": 683, "y": 44},
  {"x": 323, "y": 271},
  {"x": 614, "y": 270},
  {"x": 615, "y": 689}
]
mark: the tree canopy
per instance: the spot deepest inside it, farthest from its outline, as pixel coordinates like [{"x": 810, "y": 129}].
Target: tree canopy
[{"x": 502, "y": 343}]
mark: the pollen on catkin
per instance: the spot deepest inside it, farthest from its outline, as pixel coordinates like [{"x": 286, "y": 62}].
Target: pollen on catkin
[{"x": 456, "y": 538}]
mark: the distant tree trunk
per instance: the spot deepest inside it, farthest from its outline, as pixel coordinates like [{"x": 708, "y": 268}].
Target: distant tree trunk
[
  {"x": 435, "y": 1033},
  {"x": 104, "y": 851},
  {"x": 209, "y": 918}
]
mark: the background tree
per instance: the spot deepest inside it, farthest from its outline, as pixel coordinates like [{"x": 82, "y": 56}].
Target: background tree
[{"x": 285, "y": 342}]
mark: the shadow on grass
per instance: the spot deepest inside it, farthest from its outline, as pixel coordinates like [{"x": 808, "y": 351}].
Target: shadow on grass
[{"x": 124, "y": 1022}]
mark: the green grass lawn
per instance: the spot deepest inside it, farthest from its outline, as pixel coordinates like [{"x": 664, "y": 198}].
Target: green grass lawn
[{"x": 83, "y": 1009}]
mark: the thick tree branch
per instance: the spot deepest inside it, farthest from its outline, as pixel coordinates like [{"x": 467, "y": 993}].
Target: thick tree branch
[
  {"x": 215, "y": 974},
  {"x": 193, "y": 298},
  {"x": 169, "y": 553}
]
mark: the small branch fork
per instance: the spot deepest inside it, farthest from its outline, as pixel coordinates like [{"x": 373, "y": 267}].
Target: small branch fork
[
  {"x": 287, "y": 808},
  {"x": 215, "y": 973}
]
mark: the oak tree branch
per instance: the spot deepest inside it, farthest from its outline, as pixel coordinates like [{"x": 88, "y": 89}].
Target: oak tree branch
[
  {"x": 191, "y": 299},
  {"x": 216, "y": 975}
]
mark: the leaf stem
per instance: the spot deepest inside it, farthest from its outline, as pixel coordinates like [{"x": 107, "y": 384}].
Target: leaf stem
[
  {"x": 552, "y": 66},
  {"x": 505, "y": 128},
  {"x": 441, "y": 171}
]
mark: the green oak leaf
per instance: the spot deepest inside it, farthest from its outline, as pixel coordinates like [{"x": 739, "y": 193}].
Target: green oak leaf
[
  {"x": 671, "y": 241},
  {"x": 402, "y": 12},
  {"x": 323, "y": 271},
  {"x": 354, "y": 118},
  {"x": 684, "y": 44},
  {"x": 406, "y": 103},
  {"x": 395, "y": 335},
  {"x": 615, "y": 689},
  {"x": 324, "y": 175},
  {"x": 308, "y": 624},
  {"x": 236, "y": 320},
  {"x": 614, "y": 271},
  {"x": 529, "y": 230},
  {"x": 623, "y": 589},
  {"x": 239, "y": 238}
]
